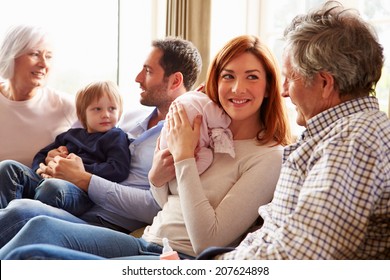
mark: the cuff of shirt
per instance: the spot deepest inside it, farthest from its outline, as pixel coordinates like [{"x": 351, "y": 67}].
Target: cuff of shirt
[{"x": 96, "y": 189}]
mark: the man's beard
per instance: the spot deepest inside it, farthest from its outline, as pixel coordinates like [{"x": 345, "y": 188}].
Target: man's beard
[{"x": 155, "y": 95}]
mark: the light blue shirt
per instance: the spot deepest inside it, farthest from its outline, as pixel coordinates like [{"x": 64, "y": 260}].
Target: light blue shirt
[{"x": 130, "y": 204}]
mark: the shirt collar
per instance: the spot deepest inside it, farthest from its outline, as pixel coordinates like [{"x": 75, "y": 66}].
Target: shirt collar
[
  {"x": 324, "y": 119},
  {"x": 142, "y": 126}
]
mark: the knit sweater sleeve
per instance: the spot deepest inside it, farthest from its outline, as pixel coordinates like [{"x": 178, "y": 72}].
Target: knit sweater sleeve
[
  {"x": 160, "y": 194},
  {"x": 222, "y": 224}
]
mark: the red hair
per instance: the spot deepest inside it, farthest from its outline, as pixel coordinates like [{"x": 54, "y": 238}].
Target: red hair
[{"x": 273, "y": 115}]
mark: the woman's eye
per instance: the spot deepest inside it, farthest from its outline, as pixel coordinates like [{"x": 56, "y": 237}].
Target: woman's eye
[
  {"x": 227, "y": 76},
  {"x": 252, "y": 77}
]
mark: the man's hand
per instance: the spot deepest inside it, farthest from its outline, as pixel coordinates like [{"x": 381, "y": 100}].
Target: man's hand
[{"x": 70, "y": 169}]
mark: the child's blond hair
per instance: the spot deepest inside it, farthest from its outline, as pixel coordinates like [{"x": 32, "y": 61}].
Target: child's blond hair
[{"x": 94, "y": 91}]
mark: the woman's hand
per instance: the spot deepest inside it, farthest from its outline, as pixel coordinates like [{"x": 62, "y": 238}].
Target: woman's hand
[
  {"x": 163, "y": 169},
  {"x": 182, "y": 138}
]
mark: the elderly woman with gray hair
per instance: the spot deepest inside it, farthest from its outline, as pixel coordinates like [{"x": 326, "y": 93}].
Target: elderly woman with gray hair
[{"x": 31, "y": 114}]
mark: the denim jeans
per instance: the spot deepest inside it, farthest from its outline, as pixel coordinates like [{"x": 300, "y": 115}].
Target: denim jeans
[
  {"x": 48, "y": 252},
  {"x": 16, "y": 181},
  {"x": 85, "y": 238},
  {"x": 63, "y": 194},
  {"x": 52, "y": 252},
  {"x": 97, "y": 241},
  {"x": 20, "y": 211},
  {"x": 19, "y": 181}
]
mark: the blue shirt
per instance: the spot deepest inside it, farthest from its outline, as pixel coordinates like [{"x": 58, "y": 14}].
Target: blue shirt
[{"x": 130, "y": 203}]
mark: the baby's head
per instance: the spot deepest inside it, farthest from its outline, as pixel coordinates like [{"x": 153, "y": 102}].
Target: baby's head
[{"x": 99, "y": 106}]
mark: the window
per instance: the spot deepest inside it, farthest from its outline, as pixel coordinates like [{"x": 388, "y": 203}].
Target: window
[
  {"x": 109, "y": 39},
  {"x": 94, "y": 40},
  {"x": 85, "y": 38},
  {"x": 140, "y": 23},
  {"x": 268, "y": 18}
]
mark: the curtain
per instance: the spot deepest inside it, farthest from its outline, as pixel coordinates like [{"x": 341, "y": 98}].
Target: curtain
[{"x": 190, "y": 20}]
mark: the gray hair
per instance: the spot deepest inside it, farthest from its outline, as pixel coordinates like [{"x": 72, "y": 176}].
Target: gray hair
[
  {"x": 19, "y": 40},
  {"x": 336, "y": 40}
]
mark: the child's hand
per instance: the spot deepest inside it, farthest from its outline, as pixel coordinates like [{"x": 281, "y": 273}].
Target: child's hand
[
  {"x": 43, "y": 171},
  {"x": 61, "y": 151}
]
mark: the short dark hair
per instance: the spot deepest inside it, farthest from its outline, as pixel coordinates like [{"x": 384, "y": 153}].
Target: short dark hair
[{"x": 180, "y": 55}]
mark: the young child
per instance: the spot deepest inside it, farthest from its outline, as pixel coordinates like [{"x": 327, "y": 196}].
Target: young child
[
  {"x": 103, "y": 148},
  {"x": 215, "y": 134}
]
